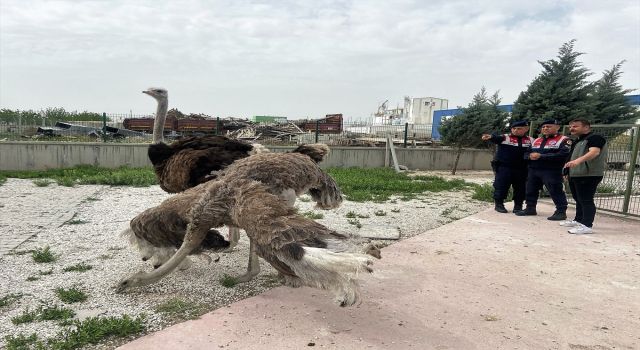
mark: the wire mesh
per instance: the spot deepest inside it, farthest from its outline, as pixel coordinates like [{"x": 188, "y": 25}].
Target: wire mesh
[{"x": 619, "y": 190}]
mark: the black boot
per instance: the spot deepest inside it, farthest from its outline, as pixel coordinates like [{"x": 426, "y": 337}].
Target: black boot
[
  {"x": 517, "y": 207},
  {"x": 558, "y": 215},
  {"x": 500, "y": 207},
  {"x": 527, "y": 211}
]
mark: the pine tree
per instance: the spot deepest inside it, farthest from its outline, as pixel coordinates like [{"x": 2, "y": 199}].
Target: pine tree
[
  {"x": 466, "y": 129},
  {"x": 610, "y": 104},
  {"x": 561, "y": 91}
]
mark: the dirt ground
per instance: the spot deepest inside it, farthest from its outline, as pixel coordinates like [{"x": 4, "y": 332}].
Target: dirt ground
[{"x": 488, "y": 281}]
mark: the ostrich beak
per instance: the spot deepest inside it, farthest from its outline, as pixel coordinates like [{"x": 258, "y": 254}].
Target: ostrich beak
[{"x": 146, "y": 92}]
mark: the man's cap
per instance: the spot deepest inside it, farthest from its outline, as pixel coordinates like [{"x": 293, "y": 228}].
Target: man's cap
[
  {"x": 551, "y": 121},
  {"x": 519, "y": 123}
]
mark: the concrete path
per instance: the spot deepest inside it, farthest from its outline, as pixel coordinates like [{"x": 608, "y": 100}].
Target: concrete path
[{"x": 489, "y": 281}]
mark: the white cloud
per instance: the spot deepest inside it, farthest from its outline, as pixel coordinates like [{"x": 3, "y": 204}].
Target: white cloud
[{"x": 295, "y": 58}]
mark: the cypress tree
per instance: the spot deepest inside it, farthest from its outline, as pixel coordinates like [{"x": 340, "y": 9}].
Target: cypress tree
[
  {"x": 560, "y": 91},
  {"x": 610, "y": 104}
]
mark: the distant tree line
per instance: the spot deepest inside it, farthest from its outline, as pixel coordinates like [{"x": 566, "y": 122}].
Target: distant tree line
[
  {"x": 54, "y": 114},
  {"x": 561, "y": 91}
]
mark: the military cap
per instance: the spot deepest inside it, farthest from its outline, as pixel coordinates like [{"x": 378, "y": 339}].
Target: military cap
[
  {"x": 551, "y": 121},
  {"x": 516, "y": 123}
]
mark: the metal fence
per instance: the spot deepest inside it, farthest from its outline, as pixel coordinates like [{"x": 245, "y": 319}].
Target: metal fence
[
  {"x": 619, "y": 190},
  {"x": 113, "y": 128}
]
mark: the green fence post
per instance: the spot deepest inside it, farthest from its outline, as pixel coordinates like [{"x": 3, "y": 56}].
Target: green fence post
[
  {"x": 317, "y": 129},
  {"x": 406, "y": 131},
  {"x": 632, "y": 170},
  {"x": 104, "y": 127}
]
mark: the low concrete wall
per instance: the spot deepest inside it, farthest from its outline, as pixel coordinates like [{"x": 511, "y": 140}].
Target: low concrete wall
[{"x": 45, "y": 155}]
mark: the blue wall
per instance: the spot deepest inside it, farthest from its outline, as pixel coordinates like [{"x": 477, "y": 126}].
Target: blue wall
[{"x": 633, "y": 100}]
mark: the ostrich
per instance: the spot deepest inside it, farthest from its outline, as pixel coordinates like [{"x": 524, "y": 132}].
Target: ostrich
[
  {"x": 158, "y": 231},
  {"x": 184, "y": 164},
  {"x": 249, "y": 197}
]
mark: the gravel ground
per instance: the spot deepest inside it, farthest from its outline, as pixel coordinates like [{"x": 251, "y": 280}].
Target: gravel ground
[{"x": 92, "y": 237}]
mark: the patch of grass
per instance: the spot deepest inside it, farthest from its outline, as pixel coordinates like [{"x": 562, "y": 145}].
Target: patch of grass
[
  {"x": 380, "y": 213},
  {"x": 79, "y": 267},
  {"x": 79, "y": 334},
  {"x": 180, "y": 308},
  {"x": 3, "y": 179},
  {"x": 42, "y": 182},
  {"x": 313, "y": 215},
  {"x": 355, "y": 222},
  {"x": 32, "y": 278},
  {"x": 228, "y": 281},
  {"x": 9, "y": 299},
  {"x": 352, "y": 215},
  {"x": 90, "y": 175},
  {"x": 396, "y": 210},
  {"x": 26, "y": 317},
  {"x": 484, "y": 193},
  {"x": 55, "y": 312},
  {"x": 92, "y": 199},
  {"x": 43, "y": 255},
  {"x": 71, "y": 295},
  {"x": 23, "y": 342},
  {"x": 379, "y": 184},
  {"x": 606, "y": 188}
]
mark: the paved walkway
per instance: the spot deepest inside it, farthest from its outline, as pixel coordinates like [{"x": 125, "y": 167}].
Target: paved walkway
[{"x": 489, "y": 281}]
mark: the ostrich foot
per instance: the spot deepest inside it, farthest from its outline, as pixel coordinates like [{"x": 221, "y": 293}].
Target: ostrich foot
[{"x": 254, "y": 266}]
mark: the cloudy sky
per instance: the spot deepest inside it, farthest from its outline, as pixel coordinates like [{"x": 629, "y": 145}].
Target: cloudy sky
[{"x": 296, "y": 58}]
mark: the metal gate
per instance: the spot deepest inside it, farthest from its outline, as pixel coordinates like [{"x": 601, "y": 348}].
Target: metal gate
[{"x": 619, "y": 190}]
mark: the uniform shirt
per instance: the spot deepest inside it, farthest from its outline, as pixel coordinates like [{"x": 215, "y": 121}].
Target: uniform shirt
[
  {"x": 511, "y": 149},
  {"x": 554, "y": 152}
]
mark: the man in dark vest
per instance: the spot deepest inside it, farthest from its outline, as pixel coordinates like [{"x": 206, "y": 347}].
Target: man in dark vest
[
  {"x": 585, "y": 171},
  {"x": 547, "y": 157},
  {"x": 509, "y": 164}
]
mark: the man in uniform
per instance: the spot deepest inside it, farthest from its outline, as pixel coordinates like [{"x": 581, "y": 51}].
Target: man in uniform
[
  {"x": 547, "y": 157},
  {"x": 509, "y": 164}
]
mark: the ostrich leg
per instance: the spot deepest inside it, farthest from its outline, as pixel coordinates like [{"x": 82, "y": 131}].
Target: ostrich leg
[
  {"x": 234, "y": 237},
  {"x": 253, "y": 269}
]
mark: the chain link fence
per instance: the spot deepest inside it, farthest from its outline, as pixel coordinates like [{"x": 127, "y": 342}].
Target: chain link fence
[
  {"x": 619, "y": 190},
  {"x": 130, "y": 128}
]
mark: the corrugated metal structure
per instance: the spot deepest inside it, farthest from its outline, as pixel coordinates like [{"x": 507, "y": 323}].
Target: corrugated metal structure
[
  {"x": 268, "y": 119},
  {"x": 330, "y": 124}
]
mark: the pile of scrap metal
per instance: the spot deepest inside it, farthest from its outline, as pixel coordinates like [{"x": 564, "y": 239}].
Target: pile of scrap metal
[
  {"x": 66, "y": 129},
  {"x": 243, "y": 129}
]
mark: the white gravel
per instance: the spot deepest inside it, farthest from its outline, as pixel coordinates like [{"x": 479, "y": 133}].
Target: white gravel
[{"x": 102, "y": 212}]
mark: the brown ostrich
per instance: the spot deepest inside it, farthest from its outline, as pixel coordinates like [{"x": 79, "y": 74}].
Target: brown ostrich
[{"x": 303, "y": 251}]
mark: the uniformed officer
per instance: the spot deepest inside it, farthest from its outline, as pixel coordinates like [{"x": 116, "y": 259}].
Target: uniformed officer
[
  {"x": 547, "y": 157},
  {"x": 509, "y": 164}
]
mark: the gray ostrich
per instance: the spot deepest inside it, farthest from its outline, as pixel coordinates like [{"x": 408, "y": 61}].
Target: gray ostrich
[{"x": 254, "y": 193}]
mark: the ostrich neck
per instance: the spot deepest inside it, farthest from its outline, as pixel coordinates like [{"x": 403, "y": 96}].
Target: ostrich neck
[{"x": 158, "y": 125}]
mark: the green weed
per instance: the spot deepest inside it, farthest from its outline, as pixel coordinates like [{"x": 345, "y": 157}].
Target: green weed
[
  {"x": 79, "y": 267},
  {"x": 355, "y": 222},
  {"x": 26, "y": 317},
  {"x": 87, "y": 174},
  {"x": 228, "y": 281},
  {"x": 43, "y": 255},
  {"x": 380, "y": 213},
  {"x": 23, "y": 342},
  {"x": 313, "y": 215},
  {"x": 9, "y": 299},
  {"x": 76, "y": 222},
  {"x": 180, "y": 308},
  {"x": 32, "y": 278},
  {"x": 71, "y": 295},
  {"x": 379, "y": 184},
  {"x": 42, "y": 182}
]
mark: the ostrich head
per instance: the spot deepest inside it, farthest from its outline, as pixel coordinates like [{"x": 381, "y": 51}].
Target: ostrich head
[
  {"x": 136, "y": 280},
  {"x": 159, "y": 94},
  {"x": 162, "y": 96}
]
